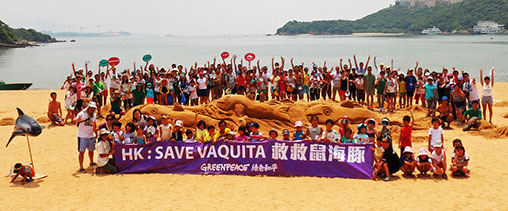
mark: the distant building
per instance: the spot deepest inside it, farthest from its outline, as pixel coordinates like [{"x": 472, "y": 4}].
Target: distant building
[{"x": 424, "y": 3}]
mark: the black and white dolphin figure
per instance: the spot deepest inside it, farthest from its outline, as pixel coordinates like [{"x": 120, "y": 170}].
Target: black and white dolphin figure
[{"x": 25, "y": 125}]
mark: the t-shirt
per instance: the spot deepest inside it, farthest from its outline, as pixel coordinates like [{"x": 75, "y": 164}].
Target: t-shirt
[
  {"x": 202, "y": 83},
  {"x": 361, "y": 138},
  {"x": 299, "y": 135},
  {"x": 85, "y": 126},
  {"x": 422, "y": 160},
  {"x": 347, "y": 140},
  {"x": 391, "y": 157},
  {"x": 219, "y": 134},
  {"x": 391, "y": 85},
  {"x": 437, "y": 159},
  {"x": 98, "y": 87},
  {"x": 129, "y": 138},
  {"x": 473, "y": 91},
  {"x": 405, "y": 136},
  {"x": 189, "y": 140},
  {"x": 336, "y": 79},
  {"x": 116, "y": 103},
  {"x": 243, "y": 138},
  {"x": 79, "y": 86},
  {"x": 256, "y": 136},
  {"x": 472, "y": 113},
  {"x": 103, "y": 147},
  {"x": 117, "y": 137},
  {"x": 315, "y": 81},
  {"x": 381, "y": 86},
  {"x": 149, "y": 92},
  {"x": 429, "y": 90},
  {"x": 193, "y": 92},
  {"x": 487, "y": 90},
  {"x": 139, "y": 96},
  {"x": 333, "y": 136},
  {"x": 202, "y": 135},
  {"x": 360, "y": 83},
  {"x": 370, "y": 81},
  {"x": 435, "y": 135},
  {"x": 178, "y": 136},
  {"x": 410, "y": 82}
]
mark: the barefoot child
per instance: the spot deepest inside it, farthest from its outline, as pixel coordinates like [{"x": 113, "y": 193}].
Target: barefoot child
[
  {"x": 435, "y": 133},
  {"x": 55, "y": 111},
  {"x": 70, "y": 103},
  {"x": 165, "y": 128},
  {"x": 406, "y": 132},
  {"x": 25, "y": 171},
  {"x": 487, "y": 101},
  {"x": 460, "y": 162}
]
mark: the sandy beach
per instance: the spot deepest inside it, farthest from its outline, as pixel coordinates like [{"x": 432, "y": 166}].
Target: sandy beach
[{"x": 55, "y": 154}]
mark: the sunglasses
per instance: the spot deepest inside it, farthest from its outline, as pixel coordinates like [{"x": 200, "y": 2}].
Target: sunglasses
[
  {"x": 109, "y": 119},
  {"x": 386, "y": 142}
]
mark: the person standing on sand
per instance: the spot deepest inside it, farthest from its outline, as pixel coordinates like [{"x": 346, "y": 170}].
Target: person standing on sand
[
  {"x": 55, "y": 111},
  {"x": 87, "y": 130},
  {"x": 79, "y": 87}
]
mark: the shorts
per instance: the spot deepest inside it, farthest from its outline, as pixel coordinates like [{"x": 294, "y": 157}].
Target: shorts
[
  {"x": 298, "y": 89},
  {"x": 203, "y": 92},
  {"x": 56, "y": 118},
  {"x": 361, "y": 94},
  {"x": 79, "y": 105},
  {"x": 306, "y": 89},
  {"x": 117, "y": 111},
  {"x": 431, "y": 104},
  {"x": 342, "y": 93},
  {"x": 390, "y": 94},
  {"x": 105, "y": 92},
  {"x": 149, "y": 100},
  {"x": 402, "y": 94},
  {"x": 460, "y": 105},
  {"x": 410, "y": 93},
  {"x": 262, "y": 91},
  {"x": 370, "y": 92},
  {"x": 240, "y": 88},
  {"x": 487, "y": 100},
  {"x": 443, "y": 118},
  {"x": 86, "y": 143}
]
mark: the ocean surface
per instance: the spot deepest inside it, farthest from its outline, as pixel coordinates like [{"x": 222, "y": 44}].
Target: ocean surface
[{"x": 47, "y": 66}]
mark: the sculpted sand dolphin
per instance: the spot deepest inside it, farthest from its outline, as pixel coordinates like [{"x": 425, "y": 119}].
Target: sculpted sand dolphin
[{"x": 25, "y": 125}]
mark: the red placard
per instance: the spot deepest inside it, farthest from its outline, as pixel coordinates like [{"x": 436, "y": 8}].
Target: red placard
[
  {"x": 250, "y": 56},
  {"x": 224, "y": 55},
  {"x": 114, "y": 61}
]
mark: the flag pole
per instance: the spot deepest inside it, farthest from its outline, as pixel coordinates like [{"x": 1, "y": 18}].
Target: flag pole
[{"x": 30, "y": 151}]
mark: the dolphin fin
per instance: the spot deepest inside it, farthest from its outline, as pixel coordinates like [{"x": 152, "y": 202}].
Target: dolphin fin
[
  {"x": 20, "y": 112},
  {"x": 15, "y": 133},
  {"x": 42, "y": 127}
]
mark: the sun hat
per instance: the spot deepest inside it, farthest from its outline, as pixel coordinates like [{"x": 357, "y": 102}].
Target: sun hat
[
  {"x": 430, "y": 78},
  {"x": 408, "y": 149},
  {"x": 103, "y": 131},
  {"x": 370, "y": 119},
  {"x": 17, "y": 168},
  {"x": 438, "y": 143},
  {"x": 423, "y": 151},
  {"x": 385, "y": 121},
  {"x": 285, "y": 132},
  {"x": 382, "y": 64},
  {"x": 179, "y": 123},
  {"x": 92, "y": 105},
  {"x": 117, "y": 92},
  {"x": 298, "y": 124},
  {"x": 231, "y": 133}
]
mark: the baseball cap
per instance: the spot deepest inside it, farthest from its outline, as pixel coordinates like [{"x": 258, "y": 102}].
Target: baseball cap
[
  {"x": 423, "y": 151},
  {"x": 408, "y": 149},
  {"x": 385, "y": 122},
  {"x": 382, "y": 64},
  {"x": 298, "y": 124},
  {"x": 438, "y": 143},
  {"x": 17, "y": 167},
  {"x": 345, "y": 120},
  {"x": 430, "y": 78},
  {"x": 92, "y": 105},
  {"x": 149, "y": 85},
  {"x": 285, "y": 132},
  {"x": 444, "y": 98},
  {"x": 179, "y": 123},
  {"x": 255, "y": 124}
]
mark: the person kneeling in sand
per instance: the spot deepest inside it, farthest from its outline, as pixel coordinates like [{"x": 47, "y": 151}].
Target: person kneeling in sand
[
  {"x": 104, "y": 150},
  {"x": 55, "y": 111},
  {"x": 438, "y": 157},
  {"x": 460, "y": 161},
  {"x": 25, "y": 171},
  {"x": 423, "y": 161},
  {"x": 473, "y": 116},
  {"x": 116, "y": 102},
  {"x": 445, "y": 113},
  {"x": 408, "y": 161},
  {"x": 390, "y": 163}
]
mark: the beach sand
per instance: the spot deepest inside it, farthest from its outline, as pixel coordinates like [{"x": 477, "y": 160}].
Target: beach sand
[{"x": 55, "y": 154}]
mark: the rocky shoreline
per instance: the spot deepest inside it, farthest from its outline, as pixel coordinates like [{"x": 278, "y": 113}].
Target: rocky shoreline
[{"x": 24, "y": 43}]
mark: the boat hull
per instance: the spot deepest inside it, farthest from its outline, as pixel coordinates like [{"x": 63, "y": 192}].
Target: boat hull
[{"x": 15, "y": 86}]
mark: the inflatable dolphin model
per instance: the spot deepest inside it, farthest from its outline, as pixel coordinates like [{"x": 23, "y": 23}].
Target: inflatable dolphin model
[{"x": 25, "y": 125}]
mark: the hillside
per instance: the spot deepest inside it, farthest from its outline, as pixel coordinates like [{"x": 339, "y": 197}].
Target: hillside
[
  {"x": 400, "y": 19},
  {"x": 9, "y": 35}
]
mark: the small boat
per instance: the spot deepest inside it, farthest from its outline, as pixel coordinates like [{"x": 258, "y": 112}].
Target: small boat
[
  {"x": 73, "y": 40},
  {"x": 14, "y": 86},
  {"x": 431, "y": 31}
]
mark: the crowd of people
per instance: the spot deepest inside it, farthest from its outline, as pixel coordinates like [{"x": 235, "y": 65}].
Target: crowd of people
[{"x": 448, "y": 96}]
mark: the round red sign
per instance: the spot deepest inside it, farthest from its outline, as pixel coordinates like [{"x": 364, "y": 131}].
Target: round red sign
[
  {"x": 250, "y": 56},
  {"x": 224, "y": 55},
  {"x": 114, "y": 61}
]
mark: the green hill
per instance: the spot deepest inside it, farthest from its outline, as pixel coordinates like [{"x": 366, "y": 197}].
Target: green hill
[
  {"x": 400, "y": 19},
  {"x": 9, "y": 35}
]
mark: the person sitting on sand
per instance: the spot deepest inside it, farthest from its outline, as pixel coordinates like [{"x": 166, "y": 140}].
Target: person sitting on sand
[
  {"x": 242, "y": 137},
  {"x": 25, "y": 171},
  {"x": 408, "y": 161},
  {"x": 189, "y": 136},
  {"x": 177, "y": 134},
  {"x": 55, "y": 111},
  {"x": 105, "y": 148},
  {"x": 223, "y": 130},
  {"x": 116, "y": 102},
  {"x": 361, "y": 137},
  {"x": 140, "y": 136},
  {"x": 200, "y": 128},
  {"x": 438, "y": 157},
  {"x": 445, "y": 113},
  {"x": 371, "y": 130},
  {"x": 272, "y": 135},
  {"x": 314, "y": 130},
  {"x": 347, "y": 138},
  {"x": 299, "y": 134},
  {"x": 473, "y": 116},
  {"x": 390, "y": 163},
  {"x": 255, "y": 135},
  {"x": 286, "y": 135}
]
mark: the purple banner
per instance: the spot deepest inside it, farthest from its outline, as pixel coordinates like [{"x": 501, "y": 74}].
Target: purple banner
[{"x": 254, "y": 158}]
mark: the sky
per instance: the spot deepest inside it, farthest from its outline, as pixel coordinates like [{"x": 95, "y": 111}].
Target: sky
[{"x": 179, "y": 17}]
